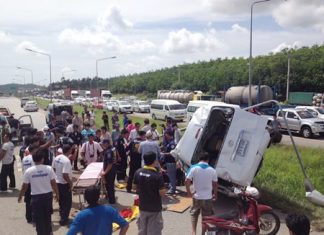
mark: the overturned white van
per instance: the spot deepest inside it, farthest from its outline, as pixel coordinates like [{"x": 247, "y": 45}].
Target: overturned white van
[{"x": 234, "y": 138}]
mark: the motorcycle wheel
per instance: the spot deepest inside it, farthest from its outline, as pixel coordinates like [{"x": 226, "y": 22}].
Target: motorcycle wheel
[{"x": 269, "y": 223}]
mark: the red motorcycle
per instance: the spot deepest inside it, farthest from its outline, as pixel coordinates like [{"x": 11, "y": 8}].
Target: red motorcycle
[{"x": 253, "y": 218}]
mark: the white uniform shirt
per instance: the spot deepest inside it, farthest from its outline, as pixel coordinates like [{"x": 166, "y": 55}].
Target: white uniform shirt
[
  {"x": 39, "y": 177},
  {"x": 91, "y": 150},
  {"x": 27, "y": 162},
  {"x": 62, "y": 165},
  {"x": 146, "y": 128},
  {"x": 133, "y": 135},
  {"x": 69, "y": 128},
  {"x": 155, "y": 134},
  {"x": 202, "y": 177},
  {"x": 9, "y": 148}
]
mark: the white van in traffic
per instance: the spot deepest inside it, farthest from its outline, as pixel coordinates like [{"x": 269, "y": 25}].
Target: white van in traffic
[
  {"x": 196, "y": 104},
  {"x": 163, "y": 109}
]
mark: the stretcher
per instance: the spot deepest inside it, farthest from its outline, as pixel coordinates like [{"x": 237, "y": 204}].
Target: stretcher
[{"x": 89, "y": 177}]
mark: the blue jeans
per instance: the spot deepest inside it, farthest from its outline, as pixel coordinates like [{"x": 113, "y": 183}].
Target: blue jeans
[{"x": 172, "y": 174}]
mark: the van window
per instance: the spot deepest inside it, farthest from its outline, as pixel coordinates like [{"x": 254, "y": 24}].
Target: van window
[
  {"x": 177, "y": 106},
  {"x": 157, "y": 106},
  {"x": 166, "y": 107},
  {"x": 281, "y": 113},
  {"x": 192, "y": 109},
  {"x": 291, "y": 115}
]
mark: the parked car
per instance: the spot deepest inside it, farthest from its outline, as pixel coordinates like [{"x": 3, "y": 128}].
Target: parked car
[
  {"x": 5, "y": 111},
  {"x": 301, "y": 121},
  {"x": 122, "y": 107},
  {"x": 110, "y": 104},
  {"x": 23, "y": 101},
  {"x": 31, "y": 106},
  {"x": 316, "y": 111},
  {"x": 98, "y": 105},
  {"x": 164, "y": 109},
  {"x": 141, "y": 106}
]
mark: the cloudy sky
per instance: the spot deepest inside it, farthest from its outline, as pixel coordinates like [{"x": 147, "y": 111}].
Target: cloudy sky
[{"x": 144, "y": 35}]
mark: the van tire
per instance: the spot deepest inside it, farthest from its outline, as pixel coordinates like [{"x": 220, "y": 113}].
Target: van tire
[
  {"x": 153, "y": 116},
  {"x": 306, "y": 132}
]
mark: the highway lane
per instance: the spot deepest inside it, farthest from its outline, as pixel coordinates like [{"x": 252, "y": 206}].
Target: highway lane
[{"x": 12, "y": 213}]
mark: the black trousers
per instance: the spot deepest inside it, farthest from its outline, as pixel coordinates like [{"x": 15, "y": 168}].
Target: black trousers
[
  {"x": 7, "y": 170},
  {"x": 27, "y": 200},
  {"x": 42, "y": 210},
  {"x": 121, "y": 168},
  {"x": 65, "y": 201},
  {"x": 75, "y": 162},
  {"x": 110, "y": 185},
  {"x": 106, "y": 124},
  {"x": 133, "y": 167}
]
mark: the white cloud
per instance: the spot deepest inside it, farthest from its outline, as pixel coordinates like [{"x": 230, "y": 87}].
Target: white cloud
[
  {"x": 185, "y": 41},
  {"x": 236, "y": 28},
  {"x": 227, "y": 7},
  {"x": 87, "y": 37},
  {"x": 137, "y": 47},
  {"x": 21, "y": 47},
  {"x": 300, "y": 14},
  {"x": 5, "y": 38},
  {"x": 284, "y": 45},
  {"x": 112, "y": 19}
]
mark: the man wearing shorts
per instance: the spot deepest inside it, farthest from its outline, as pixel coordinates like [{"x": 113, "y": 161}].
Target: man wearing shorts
[{"x": 204, "y": 179}]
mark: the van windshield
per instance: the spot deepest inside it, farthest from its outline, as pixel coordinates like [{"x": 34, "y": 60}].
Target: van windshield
[
  {"x": 177, "y": 106},
  {"x": 305, "y": 114},
  {"x": 143, "y": 103}
]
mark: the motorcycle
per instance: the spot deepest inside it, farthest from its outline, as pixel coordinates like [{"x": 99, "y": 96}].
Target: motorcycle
[{"x": 253, "y": 218}]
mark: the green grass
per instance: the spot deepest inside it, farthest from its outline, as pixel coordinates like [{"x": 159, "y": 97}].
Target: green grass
[
  {"x": 42, "y": 103},
  {"x": 281, "y": 180}
]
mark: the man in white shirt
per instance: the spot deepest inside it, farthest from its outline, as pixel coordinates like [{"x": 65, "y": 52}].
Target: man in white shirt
[
  {"x": 134, "y": 133},
  {"x": 28, "y": 162},
  {"x": 146, "y": 126},
  {"x": 77, "y": 120},
  {"x": 7, "y": 158},
  {"x": 91, "y": 150},
  {"x": 154, "y": 132},
  {"x": 63, "y": 169},
  {"x": 69, "y": 128},
  {"x": 204, "y": 179},
  {"x": 42, "y": 182}
]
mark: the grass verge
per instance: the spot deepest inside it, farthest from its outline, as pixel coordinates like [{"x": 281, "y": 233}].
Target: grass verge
[{"x": 280, "y": 179}]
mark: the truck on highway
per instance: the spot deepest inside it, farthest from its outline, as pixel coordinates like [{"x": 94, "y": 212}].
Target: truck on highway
[{"x": 105, "y": 94}]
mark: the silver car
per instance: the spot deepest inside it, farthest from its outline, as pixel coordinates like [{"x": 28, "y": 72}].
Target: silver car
[
  {"x": 301, "y": 121},
  {"x": 141, "y": 106}
]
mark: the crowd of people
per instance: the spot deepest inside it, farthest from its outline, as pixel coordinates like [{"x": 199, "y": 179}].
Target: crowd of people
[{"x": 132, "y": 154}]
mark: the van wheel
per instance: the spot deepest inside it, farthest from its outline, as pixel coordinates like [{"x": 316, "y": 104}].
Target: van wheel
[
  {"x": 153, "y": 116},
  {"x": 306, "y": 132}
]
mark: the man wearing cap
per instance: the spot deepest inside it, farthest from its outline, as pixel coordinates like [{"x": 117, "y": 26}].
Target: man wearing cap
[
  {"x": 109, "y": 170},
  {"x": 90, "y": 150}
]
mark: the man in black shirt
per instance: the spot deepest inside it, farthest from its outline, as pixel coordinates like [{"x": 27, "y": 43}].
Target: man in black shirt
[
  {"x": 109, "y": 170},
  {"x": 135, "y": 162},
  {"x": 150, "y": 186},
  {"x": 77, "y": 140}
]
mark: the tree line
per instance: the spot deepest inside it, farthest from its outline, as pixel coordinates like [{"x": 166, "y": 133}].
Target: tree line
[{"x": 306, "y": 74}]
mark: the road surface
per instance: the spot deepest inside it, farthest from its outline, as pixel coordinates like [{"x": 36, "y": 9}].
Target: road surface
[{"x": 12, "y": 214}]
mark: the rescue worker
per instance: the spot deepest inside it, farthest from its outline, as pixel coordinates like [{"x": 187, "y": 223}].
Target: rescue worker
[
  {"x": 109, "y": 170},
  {"x": 63, "y": 169}
]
